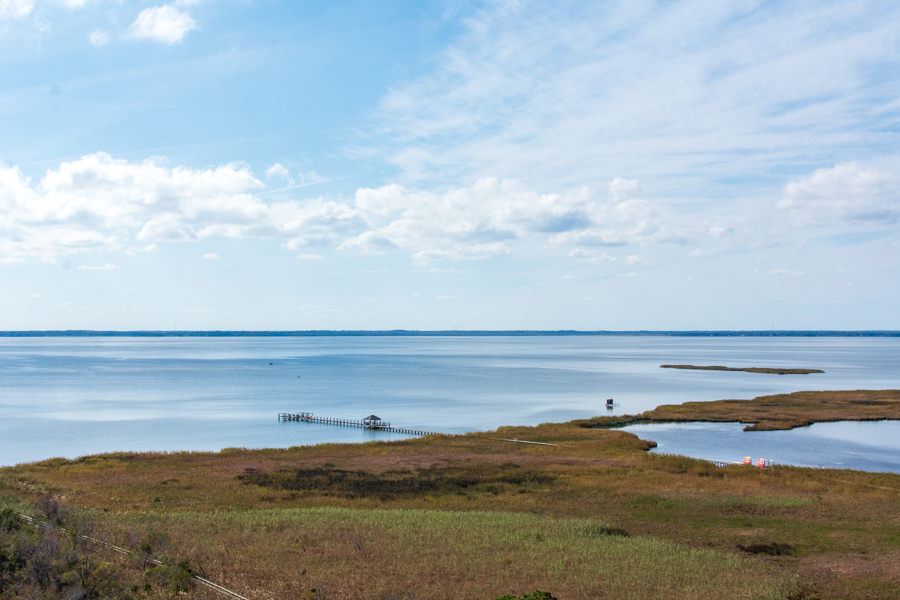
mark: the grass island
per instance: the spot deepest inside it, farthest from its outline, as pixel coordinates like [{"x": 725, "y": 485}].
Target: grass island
[
  {"x": 770, "y": 413},
  {"x": 768, "y": 370}
]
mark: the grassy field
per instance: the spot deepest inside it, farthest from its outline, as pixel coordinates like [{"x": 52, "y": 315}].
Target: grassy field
[
  {"x": 769, "y": 370},
  {"x": 594, "y": 516}
]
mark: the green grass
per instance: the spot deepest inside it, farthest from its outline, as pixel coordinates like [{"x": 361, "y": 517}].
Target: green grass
[{"x": 782, "y": 501}]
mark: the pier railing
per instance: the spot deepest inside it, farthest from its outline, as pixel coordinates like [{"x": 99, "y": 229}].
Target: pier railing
[{"x": 371, "y": 424}]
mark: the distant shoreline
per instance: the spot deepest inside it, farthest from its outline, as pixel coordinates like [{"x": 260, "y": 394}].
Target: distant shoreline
[{"x": 444, "y": 333}]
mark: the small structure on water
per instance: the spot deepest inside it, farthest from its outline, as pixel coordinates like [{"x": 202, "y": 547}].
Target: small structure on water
[
  {"x": 609, "y": 403},
  {"x": 372, "y": 422}
]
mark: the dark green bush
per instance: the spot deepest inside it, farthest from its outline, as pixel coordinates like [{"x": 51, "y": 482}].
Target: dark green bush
[{"x": 535, "y": 595}]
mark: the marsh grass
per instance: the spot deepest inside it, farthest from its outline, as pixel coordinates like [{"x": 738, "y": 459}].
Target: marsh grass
[
  {"x": 443, "y": 554},
  {"x": 476, "y": 517},
  {"x": 394, "y": 484}
]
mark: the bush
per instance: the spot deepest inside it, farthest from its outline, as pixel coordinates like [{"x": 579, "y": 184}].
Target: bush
[
  {"x": 535, "y": 595},
  {"x": 37, "y": 561},
  {"x": 176, "y": 576}
]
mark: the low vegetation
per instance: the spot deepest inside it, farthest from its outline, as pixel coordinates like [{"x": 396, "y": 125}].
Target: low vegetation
[
  {"x": 766, "y": 413},
  {"x": 769, "y": 370},
  {"x": 52, "y": 558},
  {"x": 431, "y": 481},
  {"x": 474, "y": 516}
]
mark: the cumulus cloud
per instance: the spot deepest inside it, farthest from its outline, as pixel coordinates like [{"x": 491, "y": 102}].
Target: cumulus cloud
[
  {"x": 165, "y": 24},
  {"x": 99, "y": 202},
  {"x": 484, "y": 219},
  {"x": 848, "y": 193}
]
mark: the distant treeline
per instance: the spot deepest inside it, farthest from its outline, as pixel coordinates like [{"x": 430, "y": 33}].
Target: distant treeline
[{"x": 450, "y": 332}]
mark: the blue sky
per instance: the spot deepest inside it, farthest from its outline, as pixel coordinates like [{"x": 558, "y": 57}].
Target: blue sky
[{"x": 257, "y": 164}]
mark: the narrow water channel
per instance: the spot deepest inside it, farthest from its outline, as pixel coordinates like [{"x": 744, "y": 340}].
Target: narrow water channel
[{"x": 861, "y": 445}]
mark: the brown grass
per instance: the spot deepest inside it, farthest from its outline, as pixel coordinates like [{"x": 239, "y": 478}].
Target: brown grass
[{"x": 476, "y": 517}]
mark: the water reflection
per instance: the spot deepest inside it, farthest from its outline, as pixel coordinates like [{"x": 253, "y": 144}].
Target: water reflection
[{"x": 861, "y": 445}]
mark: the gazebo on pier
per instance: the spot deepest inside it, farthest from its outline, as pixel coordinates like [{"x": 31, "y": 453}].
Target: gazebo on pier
[{"x": 372, "y": 422}]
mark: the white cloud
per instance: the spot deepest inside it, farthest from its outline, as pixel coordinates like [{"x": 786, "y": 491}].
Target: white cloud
[
  {"x": 99, "y": 202},
  {"x": 105, "y": 267},
  {"x": 99, "y": 37},
  {"x": 165, "y": 24},
  {"x": 210, "y": 256},
  {"x": 590, "y": 255},
  {"x": 15, "y": 9},
  {"x": 848, "y": 193},
  {"x": 486, "y": 218},
  {"x": 688, "y": 96},
  {"x": 279, "y": 171}
]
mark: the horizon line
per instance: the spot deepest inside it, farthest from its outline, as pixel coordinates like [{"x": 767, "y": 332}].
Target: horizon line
[{"x": 445, "y": 332}]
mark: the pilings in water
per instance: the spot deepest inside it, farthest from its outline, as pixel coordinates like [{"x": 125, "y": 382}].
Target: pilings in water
[{"x": 372, "y": 424}]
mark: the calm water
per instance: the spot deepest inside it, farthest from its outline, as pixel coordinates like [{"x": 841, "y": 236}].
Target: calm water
[
  {"x": 868, "y": 446},
  {"x": 75, "y": 396}
]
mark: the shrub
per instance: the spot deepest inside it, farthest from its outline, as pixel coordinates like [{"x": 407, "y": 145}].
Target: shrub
[{"x": 535, "y": 595}]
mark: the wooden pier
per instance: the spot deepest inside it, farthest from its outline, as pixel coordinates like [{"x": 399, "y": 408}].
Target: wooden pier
[{"x": 371, "y": 422}]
